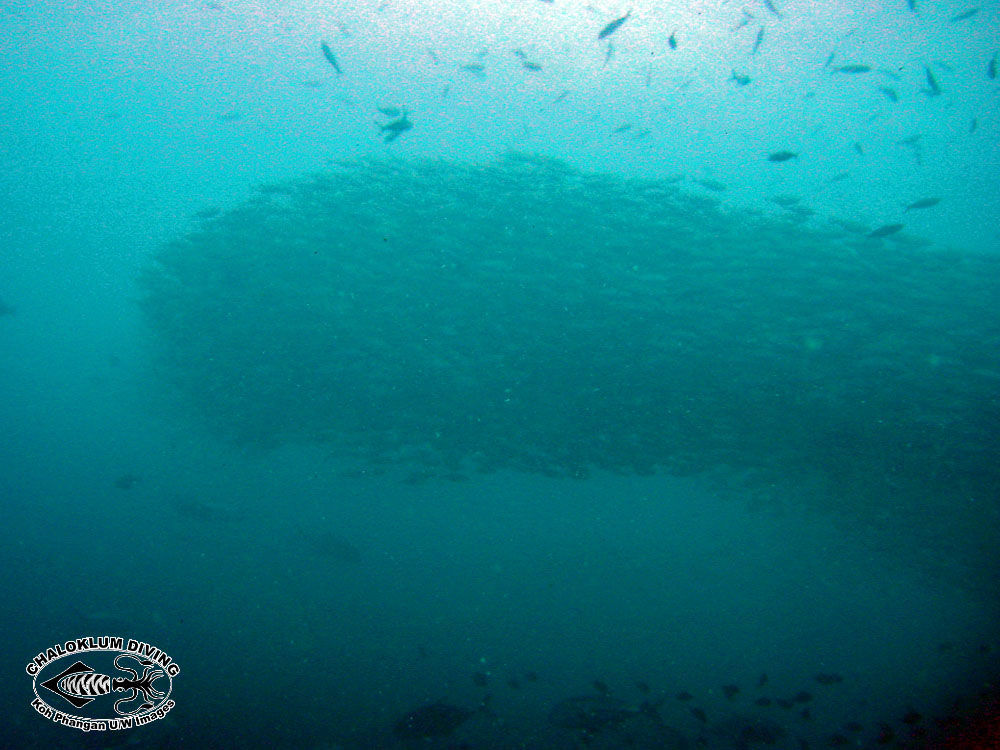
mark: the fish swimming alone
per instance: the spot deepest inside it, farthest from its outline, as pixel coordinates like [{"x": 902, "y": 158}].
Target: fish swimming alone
[
  {"x": 595, "y": 713},
  {"x": 612, "y": 27},
  {"x": 922, "y": 203},
  {"x": 330, "y": 57},
  {"x": 396, "y": 128},
  {"x": 853, "y": 69},
  {"x": 883, "y": 231},
  {"x": 933, "y": 89},
  {"x": 780, "y": 156},
  {"x": 433, "y": 720}
]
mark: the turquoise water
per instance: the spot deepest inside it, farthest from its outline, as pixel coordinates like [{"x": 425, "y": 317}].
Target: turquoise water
[{"x": 662, "y": 374}]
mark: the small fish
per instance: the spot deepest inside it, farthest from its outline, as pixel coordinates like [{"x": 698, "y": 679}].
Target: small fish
[
  {"x": 803, "y": 696},
  {"x": 612, "y": 27},
  {"x": 964, "y": 15},
  {"x": 480, "y": 679},
  {"x": 854, "y": 726},
  {"x": 885, "y": 735},
  {"x": 973, "y": 125},
  {"x": 601, "y": 687},
  {"x": 390, "y": 111},
  {"x": 330, "y": 57},
  {"x": 699, "y": 715},
  {"x": 912, "y": 5},
  {"x": 532, "y": 66},
  {"x": 396, "y": 128},
  {"x": 714, "y": 185},
  {"x": 730, "y": 691},
  {"x": 684, "y": 696},
  {"x": 991, "y": 69},
  {"x": 739, "y": 78},
  {"x": 127, "y": 481},
  {"x": 608, "y": 55},
  {"x": 858, "y": 148},
  {"x": 922, "y": 203},
  {"x": 562, "y": 95},
  {"x": 784, "y": 703},
  {"x": 770, "y": 6},
  {"x": 672, "y": 41},
  {"x": 762, "y": 702},
  {"x": 433, "y": 56},
  {"x": 829, "y": 59},
  {"x": 785, "y": 201},
  {"x": 838, "y": 740},
  {"x": 884, "y": 231},
  {"x": 477, "y": 69},
  {"x": 642, "y": 687},
  {"x": 758, "y": 41},
  {"x": 890, "y": 93},
  {"x": 932, "y": 85},
  {"x": 912, "y": 717},
  {"x": 531, "y": 676},
  {"x": 513, "y": 683},
  {"x": 852, "y": 69},
  {"x": 207, "y": 213},
  {"x": 622, "y": 128},
  {"x": 762, "y": 680},
  {"x": 780, "y": 156}
]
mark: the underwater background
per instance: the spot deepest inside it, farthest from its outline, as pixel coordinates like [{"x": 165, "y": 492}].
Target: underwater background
[{"x": 506, "y": 374}]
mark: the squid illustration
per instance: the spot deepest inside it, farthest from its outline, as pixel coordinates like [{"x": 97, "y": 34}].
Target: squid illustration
[{"x": 80, "y": 684}]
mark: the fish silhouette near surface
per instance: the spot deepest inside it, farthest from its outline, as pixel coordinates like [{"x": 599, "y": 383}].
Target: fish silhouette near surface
[
  {"x": 612, "y": 27},
  {"x": 433, "y": 720},
  {"x": 595, "y": 713}
]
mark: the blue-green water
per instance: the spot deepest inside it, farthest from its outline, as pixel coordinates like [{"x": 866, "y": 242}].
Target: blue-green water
[{"x": 579, "y": 387}]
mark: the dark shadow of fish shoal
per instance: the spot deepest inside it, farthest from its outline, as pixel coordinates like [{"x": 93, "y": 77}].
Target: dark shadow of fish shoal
[
  {"x": 433, "y": 720},
  {"x": 205, "y": 511},
  {"x": 329, "y": 546}
]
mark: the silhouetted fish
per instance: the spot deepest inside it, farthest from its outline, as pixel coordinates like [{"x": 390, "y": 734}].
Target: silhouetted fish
[
  {"x": 396, "y": 128},
  {"x": 933, "y": 89},
  {"x": 964, "y": 15},
  {"x": 205, "y": 511},
  {"x": 762, "y": 680},
  {"x": 731, "y": 691},
  {"x": 762, "y": 702},
  {"x": 803, "y": 696},
  {"x": 699, "y": 715},
  {"x": 127, "y": 481},
  {"x": 480, "y": 679},
  {"x": 612, "y": 27},
  {"x": 593, "y": 713},
  {"x": 329, "y": 546},
  {"x": 829, "y": 678},
  {"x": 922, "y": 203},
  {"x": 684, "y": 695},
  {"x": 747, "y": 732},
  {"x": 6, "y": 309},
  {"x": 883, "y": 231},
  {"x": 852, "y": 69},
  {"x": 432, "y": 720},
  {"x": 531, "y": 676},
  {"x": 643, "y": 687},
  {"x": 330, "y": 57},
  {"x": 601, "y": 687},
  {"x": 779, "y": 156},
  {"x": 991, "y": 68}
]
